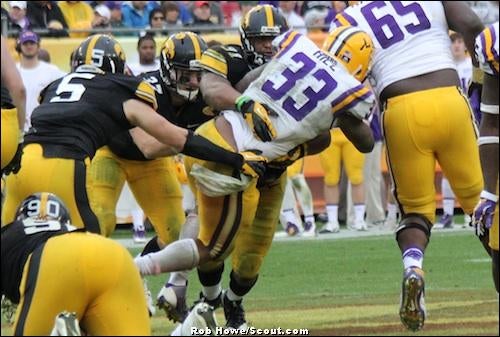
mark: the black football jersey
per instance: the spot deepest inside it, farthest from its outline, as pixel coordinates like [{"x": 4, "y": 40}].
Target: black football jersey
[
  {"x": 19, "y": 240},
  {"x": 228, "y": 61},
  {"x": 83, "y": 111},
  {"x": 190, "y": 116}
]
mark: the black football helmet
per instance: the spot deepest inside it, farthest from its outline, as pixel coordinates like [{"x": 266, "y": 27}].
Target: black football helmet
[
  {"x": 43, "y": 206},
  {"x": 181, "y": 54},
  {"x": 101, "y": 51},
  {"x": 260, "y": 21}
]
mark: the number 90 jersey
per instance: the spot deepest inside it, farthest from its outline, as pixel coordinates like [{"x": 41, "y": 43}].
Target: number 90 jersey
[
  {"x": 410, "y": 38},
  {"x": 487, "y": 49},
  {"x": 305, "y": 87}
]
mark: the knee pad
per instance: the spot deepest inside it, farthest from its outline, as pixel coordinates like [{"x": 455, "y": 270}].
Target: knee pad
[
  {"x": 414, "y": 220},
  {"x": 247, "y": 266}
]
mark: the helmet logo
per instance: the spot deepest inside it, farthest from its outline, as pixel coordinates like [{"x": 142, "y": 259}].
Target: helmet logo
[{"x": 270, "y": 30}]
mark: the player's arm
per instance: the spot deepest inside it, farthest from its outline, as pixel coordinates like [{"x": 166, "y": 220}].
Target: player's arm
[
  {"x": 218, "y": 92},
  {"x": 176, "y": 139},
  {"x": 461, "y": 18},
  {"x": 243, "y": 84},
  {"x": 13, "y": 81},
  {"x": 357, "y": 131}
]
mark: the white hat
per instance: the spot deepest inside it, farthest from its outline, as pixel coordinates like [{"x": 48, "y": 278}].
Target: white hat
[
  {"x": 103, "y": 11},
  {"x": 18, "y": 4}
]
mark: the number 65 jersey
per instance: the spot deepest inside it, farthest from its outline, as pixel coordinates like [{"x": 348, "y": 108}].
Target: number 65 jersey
[
  {"x": 304, "y": 87},
  {"x": 396, "y": 27}
]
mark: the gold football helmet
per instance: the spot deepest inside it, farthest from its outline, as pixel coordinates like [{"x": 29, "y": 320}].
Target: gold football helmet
[{"x": 353, "y": 48}]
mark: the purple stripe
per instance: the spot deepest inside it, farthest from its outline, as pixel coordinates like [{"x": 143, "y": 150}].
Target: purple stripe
[
  {"x": 356, "y": 101},
  {"x": 345, "y": 94},
  {"x": 290, "y": 44},
  {"x": 350, "y": 19},
  {"x": 493, "y": 39}
]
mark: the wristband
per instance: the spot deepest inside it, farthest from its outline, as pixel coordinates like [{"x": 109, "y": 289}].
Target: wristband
[
  {"x": 487, "y": 140},
  {"x": 240, "y": 101},
  {"x": 489, "y": 196}
]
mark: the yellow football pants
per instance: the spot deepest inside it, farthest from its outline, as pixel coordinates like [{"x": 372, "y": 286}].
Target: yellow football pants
[
  {"x": 423, "y": 127},
  {"x": 10, "y": 135},
  {"x": 154, "y": 185},
  {"x": 87, "y": 274},
  {"x": 342, "y": 151},
  {"x": 66, "y": 178}
]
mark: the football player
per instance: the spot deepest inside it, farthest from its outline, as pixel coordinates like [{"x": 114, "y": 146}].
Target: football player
[
  {"x": 242, "y": 220},
  {"x": 426, "y": 118},
  {"x": 48, "y": 267},
  {"x": 485, "y": 216},
  {"x": 13, "y": 113},
  {"x": 77, "y": 116}
]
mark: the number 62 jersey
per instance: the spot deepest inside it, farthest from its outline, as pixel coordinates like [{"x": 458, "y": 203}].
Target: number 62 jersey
[{"x": 304, "y": 87}]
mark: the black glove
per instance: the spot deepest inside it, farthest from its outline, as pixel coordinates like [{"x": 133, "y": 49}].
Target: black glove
[
  {"x": 15, "y": 164},
  {"x": 257, "y": 117}
]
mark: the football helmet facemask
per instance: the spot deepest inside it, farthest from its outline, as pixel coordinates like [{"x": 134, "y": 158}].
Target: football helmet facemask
[
  {"x": 353, "y": 48},
  {"x": 180, "y": 63}
]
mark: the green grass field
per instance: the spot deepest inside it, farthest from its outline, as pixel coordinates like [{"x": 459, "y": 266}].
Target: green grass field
[{"x": 351, "y": 287}]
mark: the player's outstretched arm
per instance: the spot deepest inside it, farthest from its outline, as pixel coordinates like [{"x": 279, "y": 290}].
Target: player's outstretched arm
[{"x": 357, "y": 131}]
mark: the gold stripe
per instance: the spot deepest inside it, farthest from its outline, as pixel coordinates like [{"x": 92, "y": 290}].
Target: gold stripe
[
  {"x": 43, "y": 205},
  {"x": 343, "y": 20},
  {"x": 286, "y": 43},
  {"x": 90, "y": 47},
  {"x": 229, "y": 222},
  {"x": 146, "y": 92},
  {"x": 269, "y": 16},
  {"x": 349, "y": 99},
  {"x": 209, "y": 62},
  {"x": 488, "y": 44},
  {"x": 196, "y": 45}
]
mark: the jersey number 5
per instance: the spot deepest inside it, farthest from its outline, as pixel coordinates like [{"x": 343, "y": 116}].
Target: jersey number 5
[{"x": 70, "y": 92}]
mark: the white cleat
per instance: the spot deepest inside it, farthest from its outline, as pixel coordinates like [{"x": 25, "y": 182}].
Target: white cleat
[
  {"x": 66, "y": 324},
  {"x": 200, "y": 318}
]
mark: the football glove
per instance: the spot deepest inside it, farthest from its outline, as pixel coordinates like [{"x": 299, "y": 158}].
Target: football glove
[
  {"x": 15, "y": 164},
  {"x": 482, "y": 217},
  {"x": 254, "y": 165},
  {"x": 257, "y": 117}
]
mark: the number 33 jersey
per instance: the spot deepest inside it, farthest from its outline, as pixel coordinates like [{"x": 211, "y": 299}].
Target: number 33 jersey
[
  {"x": 304, "y": 87},
  {"x": 395, "y": 28}
]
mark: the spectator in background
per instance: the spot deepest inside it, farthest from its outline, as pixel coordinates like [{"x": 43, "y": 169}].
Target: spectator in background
[
  {"x": 245, "y": 7},
  {"x": 43, "y": 55},
  {"x": 146, "y": 47},
  {"x": 171, "y": 11},
  {"x": 36, "y": 74},
  {"x": 17, "y": 16},
  {"x": 315, "y": 20},
  {"x": 202, "y": 14},
  {"x": 136, "y": 13},
  {"x": 102, "y": 17},
  {"x": 294, "y": 20},
  {"x": 185, "y": 13},
  {"x": 115, "y": 20},
  {"x": 216, "y": 16},
  {"x": 156, "y": 21},
  {"x": 47, "y": 15},
  {"x": 78, "y": 15}
]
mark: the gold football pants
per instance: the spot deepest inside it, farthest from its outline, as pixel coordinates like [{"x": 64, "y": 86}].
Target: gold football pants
[
  {"x": 10, "y": 135},
  {"x": 66, "y": 178},
  {"x": 243, "y": 223},
  {"x": 87, "y": 274},
  {"x": 154, "y": 185},
  {"x": 423, "y": 127}
]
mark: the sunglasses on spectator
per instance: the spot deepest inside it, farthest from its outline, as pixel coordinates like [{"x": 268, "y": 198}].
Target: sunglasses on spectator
[{"x": 158, "y": 18}]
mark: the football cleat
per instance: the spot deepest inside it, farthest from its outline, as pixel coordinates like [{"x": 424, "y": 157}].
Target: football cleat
[
  {"x": 66, "y": 324},
  {"x": 309, "y": 229},
  {"x": 139, "y": 236},
  {"x": 149, "y": 298},
  {"x": 172, "y": 299},
  {"x": 292, "y": 229},
  {"x": 412, "y": 310},
  {"x": 446, "y": 221},
  {"x": 330, "y": 228},
  {"x": 215, "y": 303},
  {"x": 234, "y": 313}
]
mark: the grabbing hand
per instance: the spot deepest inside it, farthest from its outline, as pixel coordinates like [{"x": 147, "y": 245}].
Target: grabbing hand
[
  {"x": 15, "y": 164},
  {"x": 257, "y": 117},
  {"x": 254, "y": 165},
  {"x": 482, "y": 217},
  {"x": 291, "y": 157}
]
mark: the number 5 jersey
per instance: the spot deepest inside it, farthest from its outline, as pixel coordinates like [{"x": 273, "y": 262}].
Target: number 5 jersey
[{"x": 304, "y": 87}]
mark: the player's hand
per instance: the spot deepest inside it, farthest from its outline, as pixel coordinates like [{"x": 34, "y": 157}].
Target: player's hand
[
  {"x": 15, "y": 164},
  {"x": 291, "y": 157},
  {"x": 254, "y": 165},
  {"x": 257, "y": 117},
  {"x": 482, "y": 217}
]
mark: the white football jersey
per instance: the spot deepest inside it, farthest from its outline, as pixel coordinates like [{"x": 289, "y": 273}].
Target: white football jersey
[
  {"x": 410, "y": 38},
  {"x": 487, "y": 49},
  {"x": 305, "y": 87},
  {"x": 464, "y": 70}
]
